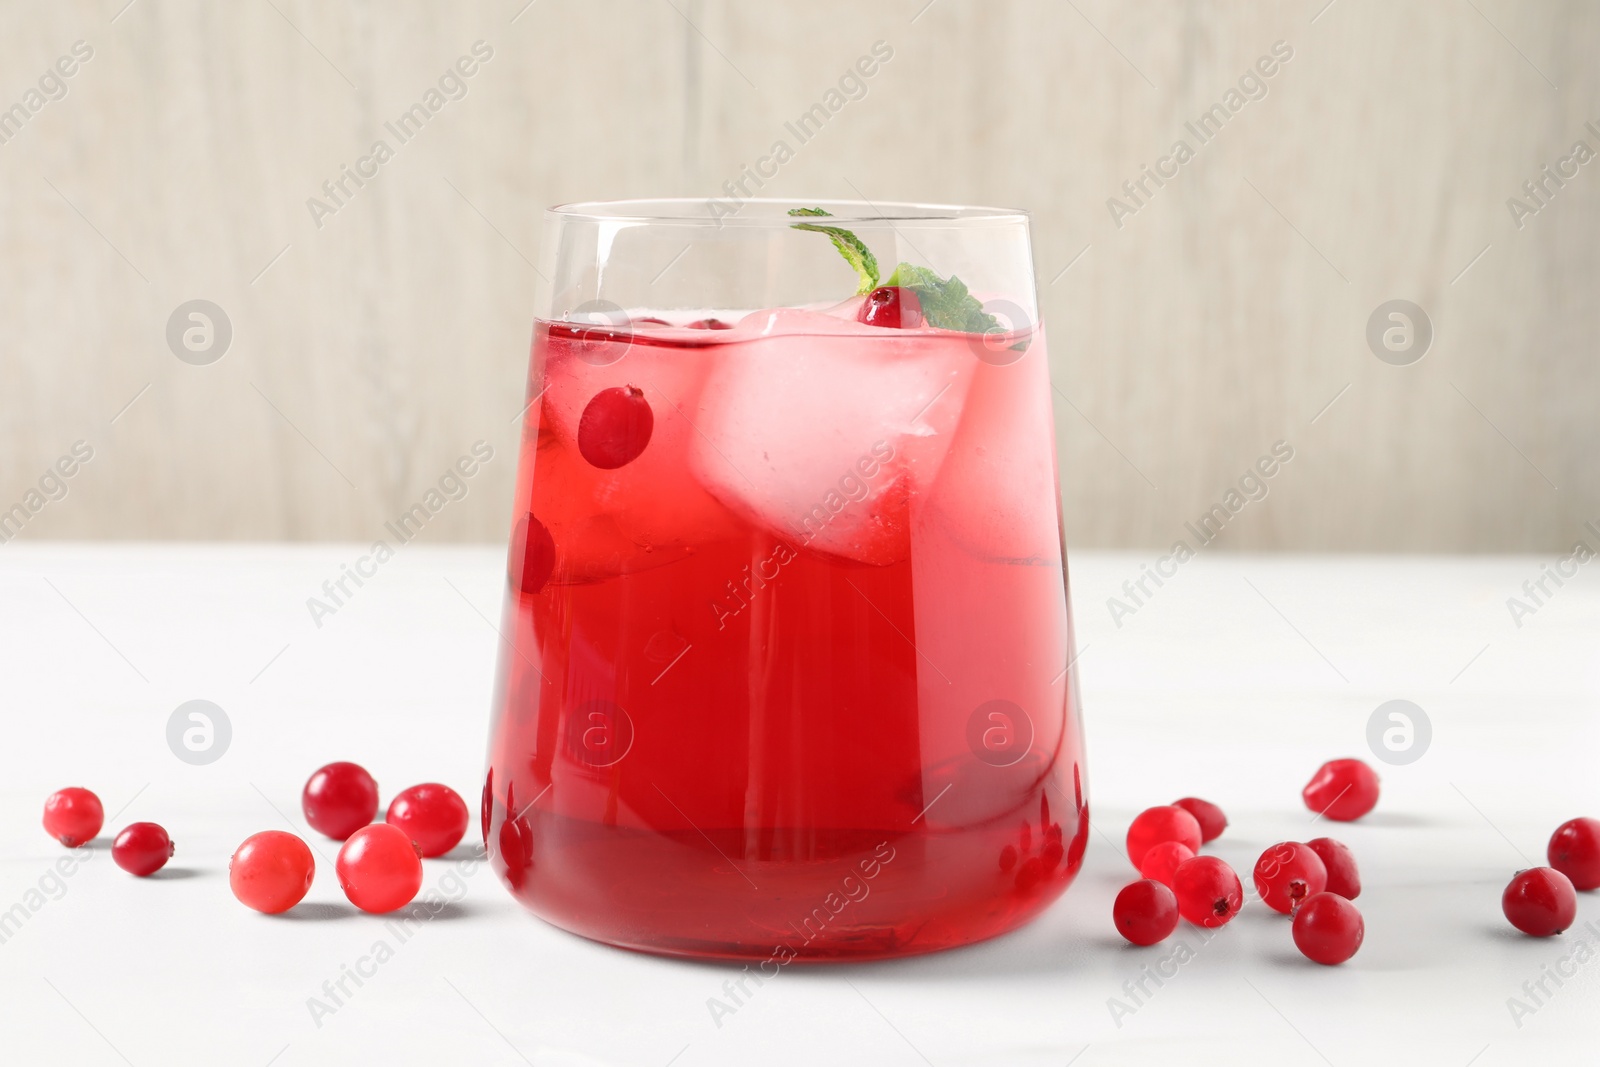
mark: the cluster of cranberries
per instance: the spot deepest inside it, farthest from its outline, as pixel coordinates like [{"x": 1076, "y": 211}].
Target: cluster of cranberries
[
  {"x": 1542, "y": 901},
  {"x": 1314, "y": 881},
  {"x": 73, "y": 816},
  {"x": 379, "y": 866}
]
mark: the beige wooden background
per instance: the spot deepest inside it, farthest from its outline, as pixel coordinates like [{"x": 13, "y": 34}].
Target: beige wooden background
[{"x": 1226, "y": 314}]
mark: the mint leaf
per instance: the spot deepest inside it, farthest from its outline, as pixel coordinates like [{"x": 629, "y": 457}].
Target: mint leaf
[
  {"x": 852, "y": 248},
  {"x": 945, "y": 303}
]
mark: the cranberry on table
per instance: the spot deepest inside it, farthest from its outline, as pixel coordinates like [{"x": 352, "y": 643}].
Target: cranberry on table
[
  {"x": 1287, "y": 874},
  {"x": 142, "y": 848},
  {"x": 1328, "y": 929},
  {"x": 615, "y": 427},
  {"x": 271, "y": 872},
  {"x": 1208, "y": 892},
  {"x": 1161, "y": 862},
  {"x": 1145, "y": 912},
  {"x": 533, "y": 556},
  {"x": 1155, "y": 825},
  {"x": 1343, "y": 877},
  {"x": 1575, "y": 852},
  {"x": 1540, "y": 902},
  {"x": 892, "y": 306},
  {"x": 1342, "y": 789},
  {"x": 379, "y": 868},
  {"x": 432, "y": 815},
  {"x": 73, "y": 816},
  {"x": 339, "y": 799},
  {"x": 1210, "y": 817},
  {"x": 710, "y": 324}
]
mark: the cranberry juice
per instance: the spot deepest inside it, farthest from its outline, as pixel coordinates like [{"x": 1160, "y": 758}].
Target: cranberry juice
[{"x": 785, "y": 671}]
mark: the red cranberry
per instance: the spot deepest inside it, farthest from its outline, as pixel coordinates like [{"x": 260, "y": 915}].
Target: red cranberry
[
  {"x": 271, "y": 872},
  {"x": 486, "y": 805},
  {"x": 73, "y": 816},
  {"x": 1145, "y": 912},
  {"x": 892, "y": 306},
  {"x": 1208, "y": 892},
  {"x": 1343, "y": 878},
  {"x": 1210, "y": 817},
  {"x": 615, "y": 427},
  {"x": 432, "y": 815},
  {"x": 379, "y": 868},
  {"x": 142, "y": 848},
  {"x": 1162, "y": 860},
  {"x": 1288, "y": 873},
  {"x": 651, "y": 320},
  {"x": 533, "y": 556},
  {"x": 710, "y": 324},
  {"x": 1342, "y": 789},
  {"x": 516, "y": 842},
  {"x": 1540, "y": 902},
  {"x": 1575, "y": 852},
  {"x": 1328, "y": 929},
  {"x": 339, "y": 799},
  {"x": 1155, "y": 825}
]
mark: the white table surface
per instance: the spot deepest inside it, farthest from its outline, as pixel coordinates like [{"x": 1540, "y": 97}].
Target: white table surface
[{"x": 1233, "y": 683}]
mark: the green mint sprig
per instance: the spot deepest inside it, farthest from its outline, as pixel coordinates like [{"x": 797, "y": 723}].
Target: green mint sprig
[
  {"x": 946, "y": 303},
  {"x": 852, "y": 248}
]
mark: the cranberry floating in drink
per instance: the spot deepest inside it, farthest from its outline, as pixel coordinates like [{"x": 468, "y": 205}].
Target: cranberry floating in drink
[{"x": 787, "y": 669}]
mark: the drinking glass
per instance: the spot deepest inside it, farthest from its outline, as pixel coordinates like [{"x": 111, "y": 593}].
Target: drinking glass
[{"x": 787, "y": 671}]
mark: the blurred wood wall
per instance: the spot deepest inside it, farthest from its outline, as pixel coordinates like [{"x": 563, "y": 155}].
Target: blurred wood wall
[{"x": 1226, "y": 312}]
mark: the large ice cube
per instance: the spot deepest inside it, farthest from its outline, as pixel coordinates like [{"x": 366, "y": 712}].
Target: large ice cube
[{"x": 825, "y": 430}]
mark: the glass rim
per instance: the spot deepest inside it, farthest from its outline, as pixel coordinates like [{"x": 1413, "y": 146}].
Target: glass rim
[{"x": 717, "y": 213}]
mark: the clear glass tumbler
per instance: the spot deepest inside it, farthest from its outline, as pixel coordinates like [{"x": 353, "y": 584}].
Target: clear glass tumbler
[{"x": 787, "y": 665}]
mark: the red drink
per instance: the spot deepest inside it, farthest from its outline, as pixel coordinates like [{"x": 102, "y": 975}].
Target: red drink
[{"x": 790, "y": 681}]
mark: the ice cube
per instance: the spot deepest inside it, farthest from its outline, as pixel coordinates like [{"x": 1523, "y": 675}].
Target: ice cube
[
  {"x": 825, "y": 430},
  {"x": 649, "y": 511}
]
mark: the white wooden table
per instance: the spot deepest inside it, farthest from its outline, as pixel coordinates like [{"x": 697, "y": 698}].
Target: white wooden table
[{"x": 1233, "y": 682}]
